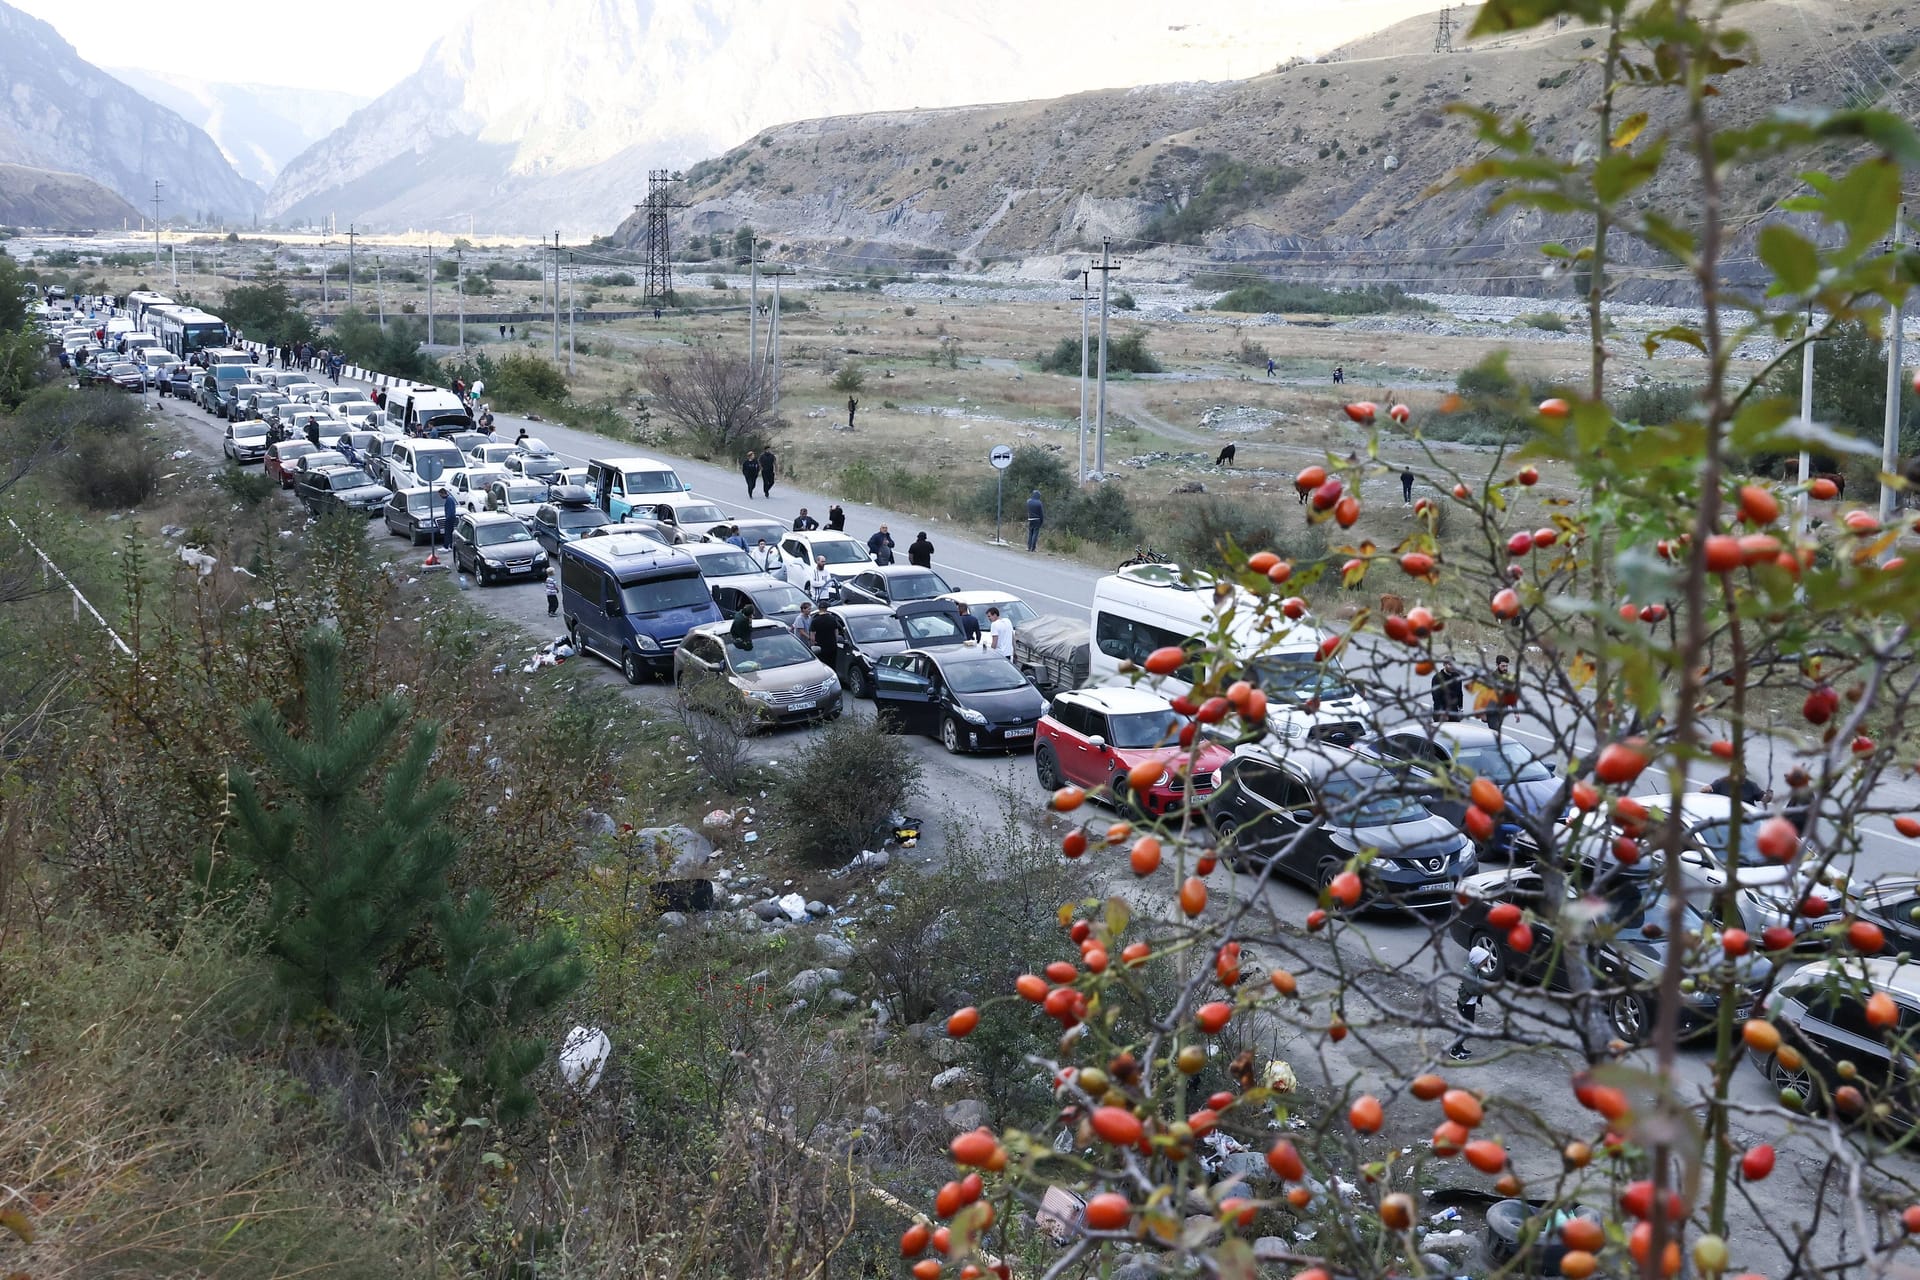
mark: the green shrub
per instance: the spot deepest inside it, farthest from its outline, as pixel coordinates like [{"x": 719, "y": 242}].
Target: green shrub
[
  {"x": 840, "y": 794},
  {"x": 1202, "y": 529},
  {"x": 1126, "y": 353},
  {"x": 1099, "y": 514},
  {"x": 1253, "y": 353},
  {"x": 1550, "y": 321},
  {"x": 1656, "y": 403},
  {"x": 110, "y": 468},
  {"x": 895, "y": 486},
  {"x": 1229, "y": 188},
  {"x": 848, "y": 377},
  {"x": 1123, "y": 301},
  {"x": 1269, "y": 296},
  {"x": 247, "y": 487}
]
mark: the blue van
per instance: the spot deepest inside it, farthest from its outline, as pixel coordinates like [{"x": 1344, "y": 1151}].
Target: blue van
[
  {"x": 630, "y": 600},
  {"x": 624, "y": 486}
]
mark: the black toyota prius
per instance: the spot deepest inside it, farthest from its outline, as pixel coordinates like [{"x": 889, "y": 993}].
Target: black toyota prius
[{"x": 970, "y": 698}]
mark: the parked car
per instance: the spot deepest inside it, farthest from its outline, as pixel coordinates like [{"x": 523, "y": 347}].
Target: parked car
[
  {"x": 282, "y": 455},
  {"x": 488, "y": 452},
  {"x": 972, "y": 699},
  {"x": 1821, "y": 1010},
  {"x": 1314, "y": 810},
  {"x": 863, "y": 634},
  {"x": 317, "y": 459},
  {"x": 533, "y": 466},
  {"x": 720, "y": 563},
  {"x": 752, "y": 531},
  {"x": 326, "y": 489},
  {"x": 1093, "y": 737},
  {"x": 892, "y": 584},
  {"x": 631, "y": 601},
  {"x": 1625, "y": 959},
  {"x": 180, "y": 381},
  {"x": 570, "y": 515},
  {"x": 522, "y": 498},
  {"x": 1439, "y": 762},
  {"x": 774, "y": 672},
  {"x": 361, "y": 415},
  {"x": 413, "y": 514},
  {"x": 771, "y": 598},
  {"x": 1893, "y": 903},
  {"x": 469, "y": 485},
  {"x": 494, "y": 546},
  {"x": 245, "y": 441},
  {"x": 683, "y": 511},
  {"x": 265, "y": 404},
  {"x": 845, "y": 556},
  {"x": 234, "y": 399},
  {"x": 1012, "y": 608}
]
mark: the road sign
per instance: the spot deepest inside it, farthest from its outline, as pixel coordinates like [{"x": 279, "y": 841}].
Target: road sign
[{"x": 1001, "y": 457}]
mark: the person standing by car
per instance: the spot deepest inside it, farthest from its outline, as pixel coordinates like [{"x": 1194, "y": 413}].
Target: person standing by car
[
  {"x": 920, "y": 551},
  {"x": 1472, "y": 987},
  {"x": 836, "y": 518},
  {"x": 449, "y": 512},
  {"x": 1449, "y": 691},
  {"x": 553, "y": 594},
  {"x": 820, "y": 583},
  {"x": 804, "y": 523},
  {"x": 969, "y": 625},
  {"x": 803, "y": 625},
  {"x": 999, "y": 633},
  {"x": 1501, "y": 685},
  {"x": 1036, "y": 516},
  {"x": 826, "y": 637},
  {"x": 750, "y": 468},
  {"x": 767, "y": 463},
  {"x": 768, "y": 557},
  {"x": 880, "y": 546}
]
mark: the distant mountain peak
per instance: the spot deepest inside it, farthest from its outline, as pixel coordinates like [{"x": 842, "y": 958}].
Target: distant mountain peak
[{"x": 258, "y": 127}]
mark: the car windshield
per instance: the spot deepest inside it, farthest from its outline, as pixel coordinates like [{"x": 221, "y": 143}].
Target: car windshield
[
  {"x": 933, "y": 628},
  {"x": 420, "y": 501},
  {"x": 875, "y": 628},
  {"x": 648, "y": 481},
  {"x": 266, "y": 398},
  {"x": 657, "y": 595},
  {"x": 837, "y": 552},
  {"x": 525, "y": 492},
  {"x": 1144, "y": 728},
  {"x": 1634, "y": 904},
  {"x": 1368, "y": 800},
  {"x": 699, "y": 513},
  {"x": 917, "y": 586},
  {"x": 1507, "y": 762},
  {"x": 1018, "y": 612},
  {"x": 289, "y": 451},
  {"x": 984, "y": 675},
  {"x": 352, "y": 478},
  {"x": 571, "y": 518},
  {"x": 250, "y": 432},
  {"x": 772, "y": 600},
  {"x": 1298, "y": 678},
  {"x": 724, "y": 564},
  {"x": 1717, "y": 837},
  {"x": 500, "y": 533},
  {"x": 771, "y": 648},
  {"x": 538, "y": 466}
]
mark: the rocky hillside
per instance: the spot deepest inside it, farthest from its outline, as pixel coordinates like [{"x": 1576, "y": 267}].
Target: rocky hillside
[
  {"x": 59, "y": 201},
  {"x": 1315, "y": 172},
  {"x": 258, "y": 127},
  {"x": 544, "y": 114},
  {"x": 61, "y": 112}
]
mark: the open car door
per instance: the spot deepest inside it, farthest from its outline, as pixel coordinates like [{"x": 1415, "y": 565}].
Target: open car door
[{"x": 903, "y": 697}]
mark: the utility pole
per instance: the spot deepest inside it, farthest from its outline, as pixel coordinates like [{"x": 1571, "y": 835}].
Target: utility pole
[
  {"x": 659, "y": 268},
  {"x": 1085, "y": 299},
  {"x": 556, "y": 298},
  {"x": 1106, "y": 270},
  {"x": 460, "y": 291},
  {"x": 753, "y": 303},
  {"x": 1896, "y": 343},
  {"x": 1443, "y": 31},
  {"x": 773, "y": 334},
  {"x": 570, "y": 275},
  {"x": 433, "y": 269},
  {"x": 349, "y": 264},
  {"x": 379, "y": 294},
  {"x": 1806, "y": 417},
  {"x": 173, "y": 267},
  {"x": 156, "y": 223}
]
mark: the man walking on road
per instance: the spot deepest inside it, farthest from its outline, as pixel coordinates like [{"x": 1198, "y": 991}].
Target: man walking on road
[
  {"x": 750, "y": 468},
  {"x": 1406, "y": 486},
  {"x": 920, "y": 551},
  {"x": 1036, "y": 516},
  {"x": 1269, "y": 366},
  {"x": 766, "y": 473},
  {"x": 1449, "y": 691}
]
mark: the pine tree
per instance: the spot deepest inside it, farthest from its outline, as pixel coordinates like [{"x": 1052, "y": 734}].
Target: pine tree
[
  {"x": 350, "y": 877},
  {"x": 489, "y": 983}
]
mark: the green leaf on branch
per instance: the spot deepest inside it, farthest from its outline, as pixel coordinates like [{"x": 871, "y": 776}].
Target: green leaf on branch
[
  {"x": 1676, "y": 333},
  {"x": 1498, "y": 17},
  {"x": 1791, "y": 257},
  {"x": 1627, "y": 130},
  {"x": 1620, "y": 173}
]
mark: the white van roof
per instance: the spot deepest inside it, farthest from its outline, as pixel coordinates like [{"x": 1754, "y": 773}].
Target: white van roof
[{"x": 1190, "y": 602}]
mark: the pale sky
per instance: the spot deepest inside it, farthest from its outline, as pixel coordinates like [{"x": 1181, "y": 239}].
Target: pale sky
[
  {"x": 355, "y": 46},
  {"x": 367, "y": 46}
]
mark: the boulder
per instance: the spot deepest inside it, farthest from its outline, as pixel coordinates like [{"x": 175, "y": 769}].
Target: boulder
[
  {"x": 843, "y": 998},
  {"x": 1271, "y": 1249},
  {"x": 952, "y": 1078},
  {"x": 832, "y": 946},
  {"x": 599, "y": 824},
  {"x": 808, "y": 981},
  {"x": 685, "y": 851},
  {"x": 946, "y": 1051},
  {"x": 966, "y": 1115},
  {"x": 768, "y": 910},
  {"x": 673, "y": 919}
]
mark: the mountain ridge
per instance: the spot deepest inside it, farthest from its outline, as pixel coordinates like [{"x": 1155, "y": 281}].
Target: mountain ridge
[
  {"x": 31, "y": 197},
  {"x": 258, "y": 127},
  {"x": 64, "y": 114},
  {"x": 537, "y": 114},
  {"x": 1315, "y": 171}
]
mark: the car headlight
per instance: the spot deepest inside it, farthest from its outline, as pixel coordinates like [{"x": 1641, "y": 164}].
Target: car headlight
[
  {"x": 490, "y": 562},
  {"x": 971, "y": 716},
  {"x": 539, "y": 557},
  {"x": 647, "y": 643},
  {"x": 759, "y": 695}
]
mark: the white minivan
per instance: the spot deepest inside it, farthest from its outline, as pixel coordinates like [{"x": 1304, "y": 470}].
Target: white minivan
[{"x": 1154, "y": 606}]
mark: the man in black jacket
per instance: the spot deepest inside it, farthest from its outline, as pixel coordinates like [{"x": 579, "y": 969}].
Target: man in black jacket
[
  {"x": 804, "y": 523},
  {"x": 766, "y": 473},
  {"x": 881, "y": 546},
  {"x": 920, "y": 551},
  {"x": 750, "y": 468}
]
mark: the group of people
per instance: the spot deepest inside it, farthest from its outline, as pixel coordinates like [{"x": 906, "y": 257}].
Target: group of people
[
  {"x": 305, "y": 357},
  {"x": 759, "y": 466},
  {"x": 1449, "y": 693}
]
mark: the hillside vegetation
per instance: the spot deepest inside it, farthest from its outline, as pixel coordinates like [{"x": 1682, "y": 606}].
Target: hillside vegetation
[{"x": 1316, "y": 170}]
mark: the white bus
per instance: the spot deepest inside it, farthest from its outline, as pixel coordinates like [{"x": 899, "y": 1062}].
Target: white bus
[
  {"x": 141, "y": 300},
  {"x": 185, "y": 330}
]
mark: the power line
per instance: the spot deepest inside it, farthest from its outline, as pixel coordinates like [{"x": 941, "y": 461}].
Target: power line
[{"x": 659, "y": 270}]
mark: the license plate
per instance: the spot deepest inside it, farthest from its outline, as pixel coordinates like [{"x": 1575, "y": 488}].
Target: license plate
[{"x": 1018, "y": 733}]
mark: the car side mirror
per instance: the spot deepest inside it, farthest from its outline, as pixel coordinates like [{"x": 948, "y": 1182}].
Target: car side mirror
[
  {"x": 1097, "y": 742},
  {"x": 1302, "y": 816}
]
